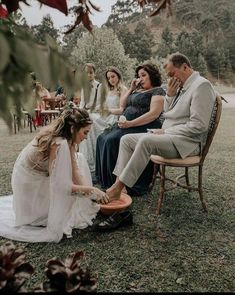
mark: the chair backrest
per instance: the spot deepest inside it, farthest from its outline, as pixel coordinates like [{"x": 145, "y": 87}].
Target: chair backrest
[{"x": 214, "y": 122}]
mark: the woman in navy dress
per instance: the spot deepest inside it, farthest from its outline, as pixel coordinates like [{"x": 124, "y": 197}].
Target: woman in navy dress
[{"x": 142, "y": 105}]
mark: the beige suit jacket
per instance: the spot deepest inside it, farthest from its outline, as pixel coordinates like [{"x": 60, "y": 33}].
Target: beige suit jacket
[{"x": 187, "y": 122}]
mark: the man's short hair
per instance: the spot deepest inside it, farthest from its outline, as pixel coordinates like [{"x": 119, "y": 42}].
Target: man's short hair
[
  {"x": 90, "y": 66},
  {"x": 178, "y": 59}
]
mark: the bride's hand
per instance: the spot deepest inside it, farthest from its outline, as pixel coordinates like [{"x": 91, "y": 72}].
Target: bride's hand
[{"x": 100, "y": 196}]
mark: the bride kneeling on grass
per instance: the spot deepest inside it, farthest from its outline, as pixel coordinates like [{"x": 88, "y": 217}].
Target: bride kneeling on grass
[{"x": 52, "y": 187}]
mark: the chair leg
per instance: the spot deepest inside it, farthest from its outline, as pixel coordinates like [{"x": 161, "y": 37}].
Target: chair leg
[
  {"x": 204, "y": 205},
  {"x": 187, "y": 179},
  {"x": 14, "y": 122},
  {"x": 18, "y": 124},
  {"x": 30, "y": 122},
  {"x": 162, "y": 189},
  {"x": 155, "y": 172}
]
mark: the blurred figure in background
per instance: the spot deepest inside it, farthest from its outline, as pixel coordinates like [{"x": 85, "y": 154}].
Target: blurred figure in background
[
  {"x": 95, "y": 93},
  {"x": 76, "y": 99},
  {"x": 42, "y": 95}
]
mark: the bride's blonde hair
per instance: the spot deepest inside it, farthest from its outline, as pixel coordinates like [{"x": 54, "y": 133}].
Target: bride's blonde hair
[{"x": 61, "y": 127}]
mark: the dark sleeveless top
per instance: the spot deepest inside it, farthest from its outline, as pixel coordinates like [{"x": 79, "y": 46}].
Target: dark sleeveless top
[{"x": 138, "y": 103}]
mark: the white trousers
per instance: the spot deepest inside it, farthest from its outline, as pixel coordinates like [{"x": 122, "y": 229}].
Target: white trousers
[{"x": 135, "y": 151}]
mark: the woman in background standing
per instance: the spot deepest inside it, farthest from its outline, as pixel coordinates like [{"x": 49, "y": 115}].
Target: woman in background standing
[{"x": 113, "y": 107}]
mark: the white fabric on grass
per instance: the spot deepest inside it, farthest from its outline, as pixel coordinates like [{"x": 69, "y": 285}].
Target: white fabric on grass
[{"x": 42, "y": 208}]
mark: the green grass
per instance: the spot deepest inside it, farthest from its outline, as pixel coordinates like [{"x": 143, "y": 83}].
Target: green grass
[{"x": 183, "y": 250}]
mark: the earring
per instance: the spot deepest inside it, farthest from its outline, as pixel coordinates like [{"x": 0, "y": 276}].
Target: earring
[{"x": 72, "y": 129}]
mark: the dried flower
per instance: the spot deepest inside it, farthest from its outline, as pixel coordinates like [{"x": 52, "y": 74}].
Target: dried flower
[
  {"x": 68, "y": 276},
  {"x": 14, "y": 270}
]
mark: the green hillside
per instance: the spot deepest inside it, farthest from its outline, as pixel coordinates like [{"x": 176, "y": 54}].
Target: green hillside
[{"x": 203, "y": 30}]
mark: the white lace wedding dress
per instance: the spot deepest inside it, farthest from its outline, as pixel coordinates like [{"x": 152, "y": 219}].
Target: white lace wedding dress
[
  {"x": 42, "y": 207},
  {"x": 88, "y": 146}
]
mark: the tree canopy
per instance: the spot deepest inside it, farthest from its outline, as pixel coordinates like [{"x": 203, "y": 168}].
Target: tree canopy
[{"x": 211, "y": 44}]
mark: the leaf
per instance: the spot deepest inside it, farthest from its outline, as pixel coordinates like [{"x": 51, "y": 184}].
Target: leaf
[
  {"x": 61, "y": 5},
  {"x": 54, "y": 261},
  {"x": 163, "y": 5},
  {"x": 94, "y": 6},
  {"x": 77, "y": 22},
  {"x": 4, "y": 52},
  {"x": 23, "y": 52},
  {"x": 56, "y": 270},
  {"x": 76, "y": 256},
  {"x": 41, "y": 65},
  {"x": 25, "y": 270},
  {"x": 51, "y": 42},
  {"x": 3, "y": 12},
  {"x": 12, "y": 5},
  {"x": 87, "y": 22}
]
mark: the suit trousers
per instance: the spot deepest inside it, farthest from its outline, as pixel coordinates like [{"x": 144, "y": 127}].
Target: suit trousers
[{"x": 135, "y": 151}]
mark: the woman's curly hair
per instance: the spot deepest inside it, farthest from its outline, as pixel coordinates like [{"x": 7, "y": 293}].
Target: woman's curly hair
[{"x": 153, "y": 71}]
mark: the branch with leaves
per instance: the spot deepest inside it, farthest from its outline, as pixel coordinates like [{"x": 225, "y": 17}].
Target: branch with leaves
[
  {"x": 20, "y": 55},
  {"x": 84, "y": 9}
]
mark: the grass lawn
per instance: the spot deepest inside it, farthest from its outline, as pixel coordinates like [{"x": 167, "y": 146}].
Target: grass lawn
[{"x": 183, "y": 250}]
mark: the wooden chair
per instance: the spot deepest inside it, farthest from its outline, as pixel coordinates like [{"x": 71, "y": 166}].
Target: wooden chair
[
  {"x": 161, "y": 163},
  {"x": 27, "y": 118}
]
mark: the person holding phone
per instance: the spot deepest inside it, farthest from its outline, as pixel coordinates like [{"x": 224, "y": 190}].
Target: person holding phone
[{"x": 143, "y": 106}]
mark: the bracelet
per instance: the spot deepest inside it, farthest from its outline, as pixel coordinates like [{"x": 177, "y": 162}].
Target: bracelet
[{"x": 78, "y": 193}]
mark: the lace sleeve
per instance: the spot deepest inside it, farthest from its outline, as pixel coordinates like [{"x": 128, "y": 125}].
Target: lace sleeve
[
  {"x": 78, "y": 178},
  {"x": 53, "y": 153},
  {"x": 52, "y": 157}
]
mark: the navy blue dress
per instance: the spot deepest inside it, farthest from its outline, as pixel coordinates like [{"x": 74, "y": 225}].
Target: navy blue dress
[{"x": 107, "y": 145}]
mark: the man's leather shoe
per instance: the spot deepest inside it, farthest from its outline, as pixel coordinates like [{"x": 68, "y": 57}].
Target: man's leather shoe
[{"x": 117, "y": 219}]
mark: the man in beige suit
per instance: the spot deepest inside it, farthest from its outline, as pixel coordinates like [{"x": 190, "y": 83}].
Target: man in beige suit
[{"x": 188, "y": 107}]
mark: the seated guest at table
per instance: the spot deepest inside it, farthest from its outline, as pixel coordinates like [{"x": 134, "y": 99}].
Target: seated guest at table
[
  {"x": 52, "y": 190},
  {"x": 59, "y": 90},
  {"x": 143, "y": 105},
  {"x": 40, "y": 94},
  {"x": 76, "y": 98},
  {"x": 105, "y": 118}
]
